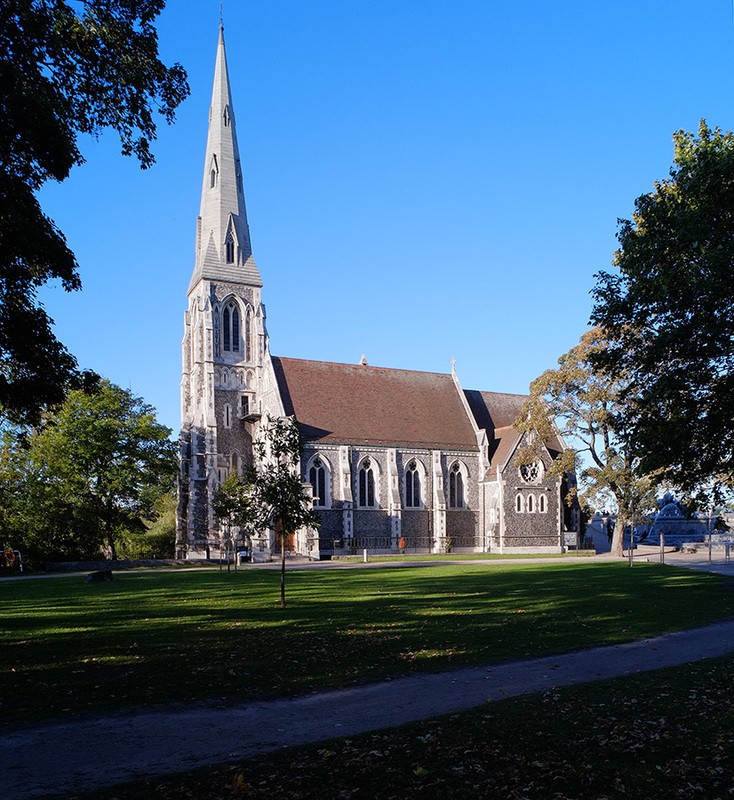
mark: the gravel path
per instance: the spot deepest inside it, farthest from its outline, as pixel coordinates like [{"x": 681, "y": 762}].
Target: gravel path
[{"x": 77, "y": 756}]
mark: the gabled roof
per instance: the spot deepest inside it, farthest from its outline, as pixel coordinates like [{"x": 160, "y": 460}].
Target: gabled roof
[
  {"x": 355, "y": 404},
  {"x": 496, "y": 412}
]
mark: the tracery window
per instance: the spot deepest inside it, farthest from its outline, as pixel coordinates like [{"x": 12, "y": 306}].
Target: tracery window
[
  {"x": 231, "y": 328},
  {"x": 456, "y": 487},
  {"x": 412, "y": 486},
  {"x": 366, "y": 484},
  {"x": 317, "y": 479},
  {"x": 531, "y": 473}
]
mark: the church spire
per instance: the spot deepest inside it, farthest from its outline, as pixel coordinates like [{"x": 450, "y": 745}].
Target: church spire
[{"x": 223, "y": 250}]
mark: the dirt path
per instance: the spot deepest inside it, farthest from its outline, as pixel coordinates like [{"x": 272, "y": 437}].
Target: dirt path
[{"x": 78, "y": 756}]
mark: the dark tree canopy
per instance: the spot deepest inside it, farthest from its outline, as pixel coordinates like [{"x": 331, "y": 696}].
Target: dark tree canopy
[
  {"x": 66, "y": 68},
  {"x": 668, "y": 315}
]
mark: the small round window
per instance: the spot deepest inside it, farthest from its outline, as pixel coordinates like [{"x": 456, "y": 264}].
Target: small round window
[{"x": 531, "y": 473}]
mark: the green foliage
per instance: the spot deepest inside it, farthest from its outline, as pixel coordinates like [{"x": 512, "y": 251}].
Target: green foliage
[
  {"x": 583, "y": 402},
  {"x": 65, "y": 69},
  {"x": 668, "y": 316},
  {"x": 271, "y": 494},
  {"x": 92, "y": 471},
  {"x": 159, "y": 538}
]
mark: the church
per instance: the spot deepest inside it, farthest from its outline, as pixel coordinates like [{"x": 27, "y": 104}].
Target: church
[{"x": 394, "y": 459}]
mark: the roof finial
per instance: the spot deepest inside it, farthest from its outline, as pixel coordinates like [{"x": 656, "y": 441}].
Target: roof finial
[
  {"x": 363, "y": 361},
  {"x": 453, "y": 364}
]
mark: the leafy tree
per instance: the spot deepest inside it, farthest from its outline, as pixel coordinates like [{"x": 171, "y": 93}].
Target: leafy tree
[
  {"x": 66, "y": 68},
  {"x": 158, "y": 539},
  {"x": 279, "y": 492},
  {"x": 668, "y": 316},
  {"x": 582, "y": 402},
  {"x": 98, "y": 468},
  {"x": 271, "y": 494}
]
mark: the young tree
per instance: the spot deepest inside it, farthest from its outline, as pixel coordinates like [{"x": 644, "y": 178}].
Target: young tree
[
  {"x": 583, "y": 402},
  {"x": 279, "y": 493},
  {"x": 100, "y": 465},
  {"x": 66, "y": 68},
  {"x": 668, "y": 316}
]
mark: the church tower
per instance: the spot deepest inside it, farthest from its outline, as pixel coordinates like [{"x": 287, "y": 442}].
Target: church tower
[{"x": 225, "y": 340}]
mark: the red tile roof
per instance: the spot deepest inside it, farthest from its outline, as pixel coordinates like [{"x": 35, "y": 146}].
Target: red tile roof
[
  {"x": 496, "y": 412},
  {"x": 355, "y": 404}
]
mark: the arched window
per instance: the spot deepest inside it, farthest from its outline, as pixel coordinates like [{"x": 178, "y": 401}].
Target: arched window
[
  {"x": 456, "y": 487},
  {"x": 542, "y": 504},
  {"x": 531, "y": 504},
  {"x": 412, "y": 486},
  {"x": 229, "y": 250},
  {"x": 231, "y": 328},
  {"x": 317, "y": 479},
  {"x": 213, "y": 178},
  {"x": 227, "y": 415},
  {"x": 367, "y": 484},
  {"x": 519, "y": 505}
]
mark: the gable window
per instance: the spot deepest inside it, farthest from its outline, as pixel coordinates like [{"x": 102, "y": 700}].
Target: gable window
[
  {"x": 519, "y": 505},
  {"x": 317, "y": 479},
  {"x": 456, "y": 487},
  {"x": 367, "y": 484},
  {"x": 531, "y": 473},
  {"x": 231, "y": 328},
  {"x": 412, "y": 486},
  {"x": 229, "y": 250}
]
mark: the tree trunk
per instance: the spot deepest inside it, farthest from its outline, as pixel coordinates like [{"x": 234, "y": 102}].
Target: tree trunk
[
  {"x": 279, "y": 526},
  {"x": 618, "y": 536}
]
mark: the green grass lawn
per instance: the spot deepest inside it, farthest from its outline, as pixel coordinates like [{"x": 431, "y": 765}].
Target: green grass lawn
[
  {"x": 68, "y": 647},
  {"x": 666, "y": 734}
]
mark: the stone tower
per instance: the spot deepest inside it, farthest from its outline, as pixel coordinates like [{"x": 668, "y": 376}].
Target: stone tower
[{"x": 225, "y": 341}]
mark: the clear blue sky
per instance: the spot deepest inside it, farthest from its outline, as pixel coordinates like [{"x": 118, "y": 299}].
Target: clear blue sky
[{"x": 424, "y": 179}]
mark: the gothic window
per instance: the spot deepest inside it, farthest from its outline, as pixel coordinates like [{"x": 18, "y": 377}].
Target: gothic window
[
  {"x": 317, "y": 479},
  {"x": 456, "y": 487},
  {"x": 229, "y": 250},
  {"x": 542, "y": 504},
  {"x": 531, "y": 473},
  {"x": 412, "y": 486},
  {"x": 231, "y": 328},
  {"x": 227, "y": 416},
  {"x": 213, "y": 178},
  {"x": 367, "y": 484},
  {"x": 519, "y": 505},
  {"x": 531, "y": 504}
]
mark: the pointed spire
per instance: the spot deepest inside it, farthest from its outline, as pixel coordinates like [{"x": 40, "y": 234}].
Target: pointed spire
[{"x": 223, "y": 250}]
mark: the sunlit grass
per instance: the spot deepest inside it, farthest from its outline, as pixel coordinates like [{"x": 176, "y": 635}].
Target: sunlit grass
[{"x": 70, "y": 647}]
